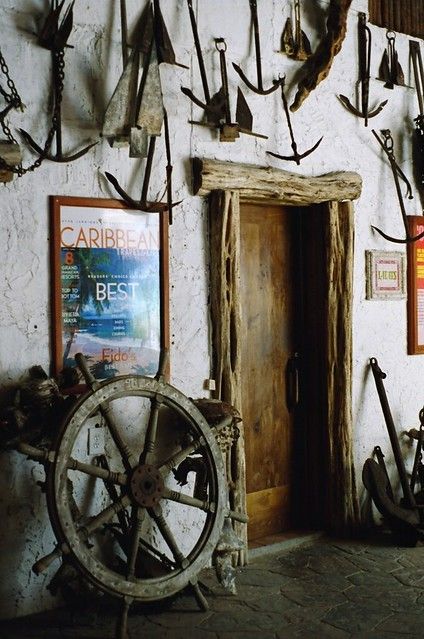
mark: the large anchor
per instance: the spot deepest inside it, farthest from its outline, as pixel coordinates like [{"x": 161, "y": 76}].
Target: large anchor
[
  {"x": 55, "y": 37},
  {"x": 296, "y": 157},
  {"x": 260, "y": 88},
  {"x": 364, "y": 52},
  {"x": 217, "y": 108},
  {"x": 387, "y": 146},
  {"x": 136, "y": 113}
]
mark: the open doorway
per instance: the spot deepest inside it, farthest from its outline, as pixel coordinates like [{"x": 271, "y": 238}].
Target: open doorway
[{"x": 283, "y": 284}]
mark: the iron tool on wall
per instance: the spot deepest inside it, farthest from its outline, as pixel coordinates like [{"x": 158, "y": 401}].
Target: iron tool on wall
[
  {"x": 390, "y": 70},
  {"x": 296, "y": 157},
  {"x": 294, "y": 43},
  {"x": 386, "y": 144},
  {"x": 54, "y": 37},
  {"x": 364, "y": 51},
  {"x": 217, "y": 108},
  {"x": 136, "y": 114},
  {"x": 259, "y": 88}
]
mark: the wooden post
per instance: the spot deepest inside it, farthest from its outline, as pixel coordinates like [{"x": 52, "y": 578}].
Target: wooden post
[{"x": 10, "y": 152}]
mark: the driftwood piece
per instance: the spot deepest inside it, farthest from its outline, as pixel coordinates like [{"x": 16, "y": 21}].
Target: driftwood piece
[
  {"x": 10, "y": 152},
  {"x": 226, "y": 321},
  {"x": 257, "y": 184},
  {"x": 318, "y": 66}
]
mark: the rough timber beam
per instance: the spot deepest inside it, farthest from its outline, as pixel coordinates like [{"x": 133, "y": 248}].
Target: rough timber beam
[{"x": 256, "y": 183}]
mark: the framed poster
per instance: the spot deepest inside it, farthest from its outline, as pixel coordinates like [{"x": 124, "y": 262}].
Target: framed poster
[
  {"x": 415, "y": 304},
  {"x": 110, "y": 286},
  {"x": 385, "y": 275}
]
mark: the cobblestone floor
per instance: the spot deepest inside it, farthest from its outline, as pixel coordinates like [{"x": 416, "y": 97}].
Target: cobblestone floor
[{"x": 329, "y": 589}]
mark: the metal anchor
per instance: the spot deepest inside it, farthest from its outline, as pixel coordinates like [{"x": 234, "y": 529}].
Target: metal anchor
[
  {"x": 387, "y": 146},
  {"x": 143, "y": 204},
  {"x": 217, "y": 108},
  {"x": 418, "y": 148},
  {"x": 295, "y": 45},
  {"x": 54, "y": 37},
  {"x": 390, "y": 70},
  {"x": 296, "y": 157},
  {"x": 364, "y": 46},
  {"x": 256, "y": 89}
]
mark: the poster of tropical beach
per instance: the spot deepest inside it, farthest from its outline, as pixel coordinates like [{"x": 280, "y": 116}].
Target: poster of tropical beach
[{"x": 110, "y": 289}]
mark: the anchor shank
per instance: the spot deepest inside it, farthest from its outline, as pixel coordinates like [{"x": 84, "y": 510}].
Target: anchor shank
[
  {"x": 199, "y": 52},
  {"x": 124, "y": 32},
  {"x": 148, "y": 169},
  {"x": 224, "y": 77},
  {"x": 254, "y": 11}
]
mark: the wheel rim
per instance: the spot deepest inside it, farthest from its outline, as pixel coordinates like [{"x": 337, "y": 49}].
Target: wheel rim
[{"x": 146, "y": 496}]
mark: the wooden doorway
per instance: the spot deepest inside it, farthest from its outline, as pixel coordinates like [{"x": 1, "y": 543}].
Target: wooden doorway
[{"x": 282, "y": 360}]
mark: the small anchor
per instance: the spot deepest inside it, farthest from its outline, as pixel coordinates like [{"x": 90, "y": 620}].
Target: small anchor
[
  {"x": 364, "y": 45},
  {"x": 143, "y": 204},
  {"x": 387, "y": 146},
  {"x": 295, "y": 45},
  {"x": 296, "y": 157},
  {"x": 54, "y": 37},
  {"x": 390, "y": 70},
  {"x": 260, "y": 88}
]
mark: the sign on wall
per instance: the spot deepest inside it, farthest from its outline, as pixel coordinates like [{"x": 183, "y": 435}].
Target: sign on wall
[
  {"x": 416, "y": 287},
  {"x": 385, "y": 275},
  {"x": 110, "y": 286}
]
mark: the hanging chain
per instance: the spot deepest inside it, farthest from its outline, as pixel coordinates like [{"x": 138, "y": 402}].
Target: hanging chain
[{"x": 13, "y": 100}]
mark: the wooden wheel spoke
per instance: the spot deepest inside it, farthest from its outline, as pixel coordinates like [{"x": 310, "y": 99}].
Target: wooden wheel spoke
[
  {"x": 150, "y": 441},
  {"x": 128, "y": 458},
  {"x": 187, "y": 500},
  {"x": 104, "y": 516},
  {"x": 97, "y": 471},
  {"x": 135, "y": 542},
  {"x": 165, "y": 531}
]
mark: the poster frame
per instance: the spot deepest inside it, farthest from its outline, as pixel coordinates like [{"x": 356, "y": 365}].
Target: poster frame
[{"x": 56, "y": 203}]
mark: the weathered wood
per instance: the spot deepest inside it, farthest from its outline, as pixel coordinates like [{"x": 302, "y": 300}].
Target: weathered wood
[
  {"x": 342, "y": 510},
  {"x": 318, "y": 66},
  {"x": 256, "y": 184},
  {"x": 10, "y": 152},
  {"x": 226, "y": 322}
]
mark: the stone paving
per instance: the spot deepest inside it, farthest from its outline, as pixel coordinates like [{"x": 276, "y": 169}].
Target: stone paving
[{"x": 330, "y": 589}]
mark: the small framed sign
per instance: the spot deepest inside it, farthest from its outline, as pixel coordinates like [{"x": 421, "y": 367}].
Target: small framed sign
[
  {"x": 110, "y": 286},
  {"x": 385, "y": 275}
]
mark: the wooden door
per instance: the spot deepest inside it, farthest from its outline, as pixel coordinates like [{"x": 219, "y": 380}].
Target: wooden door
[{"x": 269, "y": 306}]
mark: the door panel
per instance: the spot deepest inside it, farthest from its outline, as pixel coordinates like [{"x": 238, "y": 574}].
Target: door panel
[{"x": 268, "y": 303}]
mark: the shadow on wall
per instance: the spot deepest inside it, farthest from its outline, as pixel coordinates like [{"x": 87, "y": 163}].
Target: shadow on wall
[{"x": 25, "y": 535}]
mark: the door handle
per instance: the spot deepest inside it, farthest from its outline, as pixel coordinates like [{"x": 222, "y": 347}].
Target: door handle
[{"x": 292, "y": 382}]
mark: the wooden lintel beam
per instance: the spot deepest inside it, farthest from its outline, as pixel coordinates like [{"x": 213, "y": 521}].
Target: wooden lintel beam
[{"x": 257, "y": 183}]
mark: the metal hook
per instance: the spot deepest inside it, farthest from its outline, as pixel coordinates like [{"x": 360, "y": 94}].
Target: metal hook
[
  {"x": 364, "y": 44},
  {"x": 387, "y": 146},
  {"x": 296, "y": 157},
  {"x": 256, "y": 89}
]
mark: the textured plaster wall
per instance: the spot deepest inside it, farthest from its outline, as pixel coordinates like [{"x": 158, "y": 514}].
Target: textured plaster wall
[{"x": 92, "y": 69}]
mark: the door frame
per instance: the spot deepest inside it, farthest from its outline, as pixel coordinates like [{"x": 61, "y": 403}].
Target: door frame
[{"x": 226, "y": 184}]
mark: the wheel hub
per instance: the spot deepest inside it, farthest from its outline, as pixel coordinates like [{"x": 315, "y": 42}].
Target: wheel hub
[{"x": 146, "y": 485}]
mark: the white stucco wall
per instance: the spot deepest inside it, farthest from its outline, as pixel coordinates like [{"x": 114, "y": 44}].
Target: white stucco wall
[{"x": 92, "y": 69}]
